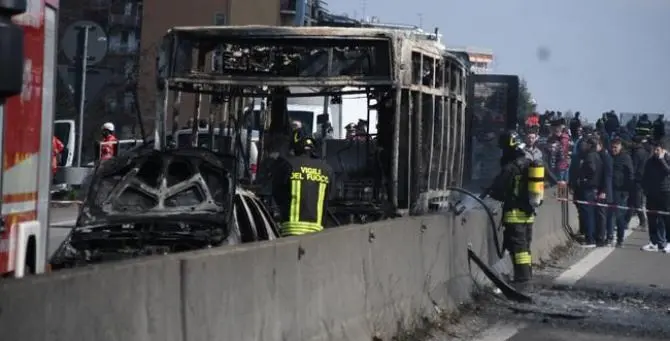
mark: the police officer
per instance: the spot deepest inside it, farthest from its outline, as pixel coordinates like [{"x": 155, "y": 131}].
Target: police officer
[
  {"x": 301, "y": 186},
  {"x": 511, "y": 186},
  {"x": 643, "y": 126}
]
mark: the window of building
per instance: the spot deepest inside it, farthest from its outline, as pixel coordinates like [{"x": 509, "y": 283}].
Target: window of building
[
  {"x": 133, "y": 42},
  {"x": 114, "y": 41},
  {"x": 111, "y": 102},
  {"x": 125, "y": 35},
  {"x": 128, "y": 9},
  {"x": 129, "y": 68},
  {"x": 128, "y": 101},
  {"x": 220, "y": 19}
]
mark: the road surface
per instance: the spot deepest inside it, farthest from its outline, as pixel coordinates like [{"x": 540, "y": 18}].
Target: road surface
[
  {"x": 604, "y": 294},
  {"x": 61, "y": 219}
]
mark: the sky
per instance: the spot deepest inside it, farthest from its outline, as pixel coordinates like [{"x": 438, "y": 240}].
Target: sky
[{"x": 603, "y": 54}]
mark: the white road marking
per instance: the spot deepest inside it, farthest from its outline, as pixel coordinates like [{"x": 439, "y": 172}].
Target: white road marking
[
  {"x": 503, "y": 332},
  {"x": 578, "y": 270},
  {"x": 500, "y": 332}
]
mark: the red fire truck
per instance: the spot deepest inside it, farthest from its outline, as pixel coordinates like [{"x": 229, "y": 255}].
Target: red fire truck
[{"x": 26, "y": 129}]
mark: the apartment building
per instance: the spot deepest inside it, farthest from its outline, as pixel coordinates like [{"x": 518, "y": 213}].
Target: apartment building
[
  {"x": 160, "y": 15},
  {"x": 125, "y": 65},
  {"x": 113, "y": 55}
]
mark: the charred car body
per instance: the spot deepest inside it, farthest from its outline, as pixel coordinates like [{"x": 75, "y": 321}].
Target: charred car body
[{"x": 148, "y": 202}]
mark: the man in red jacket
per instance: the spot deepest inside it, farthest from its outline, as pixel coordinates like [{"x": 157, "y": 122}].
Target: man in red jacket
[
  {"x": 57, "y": 147},
  {"x": 108, "y": 143}
]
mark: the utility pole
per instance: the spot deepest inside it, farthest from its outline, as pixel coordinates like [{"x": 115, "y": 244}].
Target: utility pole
[{"x": 80, "y": 84}]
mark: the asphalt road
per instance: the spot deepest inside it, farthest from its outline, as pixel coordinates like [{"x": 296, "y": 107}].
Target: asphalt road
[
  {"x": 607, "y": 294},
  {"x": 62, "y": 219}
]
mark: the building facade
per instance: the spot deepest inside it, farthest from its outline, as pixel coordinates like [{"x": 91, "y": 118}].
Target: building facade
[
  {"x": 111, "y": 77},
  {"x": 124, "y": 50},
  {"x": 314, "y": 10},
  {"x": 481, "y": 60},
  {"x": 156, "y": 20}
]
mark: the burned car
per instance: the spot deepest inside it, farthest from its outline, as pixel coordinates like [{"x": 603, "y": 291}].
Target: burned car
[{"x": 149, "y": 202}]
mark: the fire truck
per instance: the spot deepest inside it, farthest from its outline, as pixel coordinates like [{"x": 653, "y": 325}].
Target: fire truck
[{"x": 27, "y": 87}]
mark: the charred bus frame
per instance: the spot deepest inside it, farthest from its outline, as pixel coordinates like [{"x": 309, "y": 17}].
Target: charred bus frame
[{"x": 419, "y": 89}]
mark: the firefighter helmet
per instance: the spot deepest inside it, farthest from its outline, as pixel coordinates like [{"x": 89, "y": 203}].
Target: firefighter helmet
[
  {"x": 301, "y": 143},
  {"x": 108, "y": 126},
  {"x": 510, "y": 141}
]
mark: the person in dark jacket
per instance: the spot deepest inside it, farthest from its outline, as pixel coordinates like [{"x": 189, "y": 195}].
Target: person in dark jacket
[
  {"x": 589, "y": 180},
  {"x": 658, "y": 130},
  {"x": 573, "y": 177},
  {"x": 604, "y": 221},
  {"x": 656, "y": 185},
  {"x": 631, "y": 124},
  {"x": 623, "y": 175},
  {"x": 575, "y": 125},
  {"x": 611, "y": 123},
  {"x": 624, "y": 135},
  {"x": 639, "y": 155}
]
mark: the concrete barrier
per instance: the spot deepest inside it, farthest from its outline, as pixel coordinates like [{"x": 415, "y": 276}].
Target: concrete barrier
[
  {"x": 124, "y": 301},
  {"x": 348, "y": 283}
]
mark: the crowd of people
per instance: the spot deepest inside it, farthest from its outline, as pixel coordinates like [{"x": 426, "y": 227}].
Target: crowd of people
[{"x": 610, "y": 164}]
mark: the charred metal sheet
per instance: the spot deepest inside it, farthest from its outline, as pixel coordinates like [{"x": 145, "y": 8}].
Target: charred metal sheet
[
  {"x": 197, "y": 82},
  {"x": 258, "y": 31},
  {"x": 283, "y": 57},
  {"x": 193, "y": 184}
]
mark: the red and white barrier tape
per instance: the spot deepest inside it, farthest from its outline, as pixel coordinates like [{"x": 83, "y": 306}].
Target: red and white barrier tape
[{"x": 599, "y": 204}]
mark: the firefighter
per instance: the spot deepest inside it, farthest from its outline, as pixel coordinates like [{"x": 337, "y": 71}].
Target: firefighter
[
  {"x": 643, "y": 126},
  {"x": 350, "y": 131},
  {"x": 520, "y": 186},
  {"x": 301, "y": 184},
  {"x": 297, "y": 132},
  {"x": 108, "y": 143}
]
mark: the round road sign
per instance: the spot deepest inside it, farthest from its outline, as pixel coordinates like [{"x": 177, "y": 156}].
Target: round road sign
[{"x": 97, "y": 41}]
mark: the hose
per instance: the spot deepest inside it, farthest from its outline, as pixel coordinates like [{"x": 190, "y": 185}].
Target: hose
[
  {"x": 492, "y": 222},
  {"x": 508, "y": 291}
]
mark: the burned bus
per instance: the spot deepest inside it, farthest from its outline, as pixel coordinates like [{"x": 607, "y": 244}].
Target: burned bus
[{"x": 412, "y": 84}]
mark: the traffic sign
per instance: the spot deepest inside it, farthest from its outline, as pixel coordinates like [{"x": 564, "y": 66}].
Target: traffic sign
[{"x": 97, "y": 42}]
